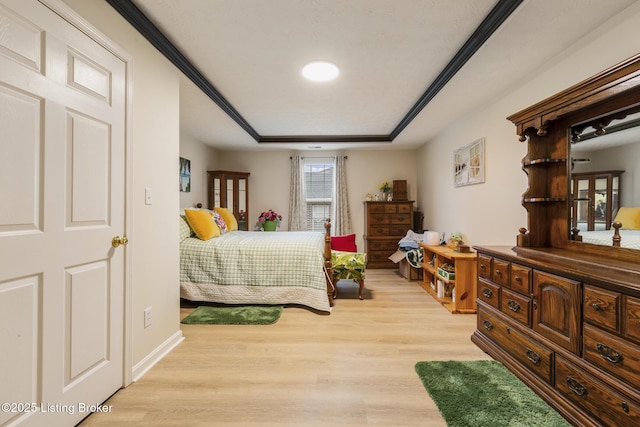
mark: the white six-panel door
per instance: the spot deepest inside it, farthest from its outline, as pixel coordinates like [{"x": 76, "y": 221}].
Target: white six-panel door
[{"x": 62, "y": 133}]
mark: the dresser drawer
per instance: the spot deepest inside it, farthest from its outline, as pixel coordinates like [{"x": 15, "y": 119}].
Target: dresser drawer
[
  {"x": 376, "y": 258},
  {"x": 376, "y": 208},
  {"x": 484, "y": 266},
  {"x": 405, "y": 208},
  {"x": 601, "y": 307},
  {"x": 612, "y": 354},
  {"x": 631, "y": 318},
  {"x": 606, "y": 404},
  {"x": 400, "y": 219},
  {"x": 385, "y": 245},
  {"x": 534, "y": 356},
  {"x": 379, "y": 218},
  {"x": 520, "y": 279},
  {"x": 516, "y": 306},
  {"x": 501, "y": 272},
  {"x": 489, "y": 293},
  {"x": 398, "y": 230},
  {"x": 390, "y": 208},
  {"x": 379, "y": 230}
]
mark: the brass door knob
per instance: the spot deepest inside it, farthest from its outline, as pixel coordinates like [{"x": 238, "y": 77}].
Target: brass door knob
[{"x": 117, "y": 241}]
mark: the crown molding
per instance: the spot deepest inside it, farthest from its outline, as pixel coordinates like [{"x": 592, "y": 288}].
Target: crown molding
[{"x": 129, "y": 11}]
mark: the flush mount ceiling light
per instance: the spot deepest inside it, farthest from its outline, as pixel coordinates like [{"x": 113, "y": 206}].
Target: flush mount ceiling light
[{"x": 320, "y": 71}]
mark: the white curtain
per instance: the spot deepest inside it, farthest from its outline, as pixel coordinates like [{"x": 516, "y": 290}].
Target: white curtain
[
  {"x": 341, "y": 215},
  {"x": 297, "y": 198}
]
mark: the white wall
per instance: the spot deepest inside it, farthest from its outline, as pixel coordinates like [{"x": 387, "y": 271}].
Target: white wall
[
  {"x": 491, "y": 213},
  {"x": 270, "y": 177},
  {"x": 154, "y": 235},
  {"x": 203, "y": 158}
]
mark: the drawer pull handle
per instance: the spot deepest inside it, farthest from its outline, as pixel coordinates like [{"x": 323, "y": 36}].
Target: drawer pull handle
[
  {"x": 513, "y": 306},
  {"x": 498, "y": 273},
  {"x": 483, "y": 267},
  {"x": 487, "y": 292},
  {"x": 487, "y": 325},
  {"x": 576, "y": 387},
  {"x": 609, "y": 354},
  {"x": 625, "y": 406},
  {"x": 533, "y": 356},
  {"x": 518, "y": 279},
  {"x": 596, "y": 307}
]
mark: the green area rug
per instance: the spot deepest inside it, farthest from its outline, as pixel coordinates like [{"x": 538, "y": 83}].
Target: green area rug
[
  {"x": 484, "y": 393},
  {"x": 234, "y": 315}
]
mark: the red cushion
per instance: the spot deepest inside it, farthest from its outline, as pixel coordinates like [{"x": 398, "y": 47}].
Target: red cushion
[{"x": 344, "y": 243}]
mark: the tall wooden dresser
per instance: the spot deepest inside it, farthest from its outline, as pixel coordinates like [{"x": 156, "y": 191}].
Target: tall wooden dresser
[
  {"x": 385, "y": 224},
  {"x": 563, "y": 314}
]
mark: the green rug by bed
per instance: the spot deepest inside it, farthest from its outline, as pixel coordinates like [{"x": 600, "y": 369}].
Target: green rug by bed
[
  {"x": 484, "y": 393},
  {"x": 234, "y": 315}
]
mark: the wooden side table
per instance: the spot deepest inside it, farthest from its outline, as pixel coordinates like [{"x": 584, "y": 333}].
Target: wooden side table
[{"x": 462, "y": 298}]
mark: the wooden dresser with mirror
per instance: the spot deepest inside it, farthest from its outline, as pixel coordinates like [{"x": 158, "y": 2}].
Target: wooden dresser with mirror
[{"x": 561, "y": 309}]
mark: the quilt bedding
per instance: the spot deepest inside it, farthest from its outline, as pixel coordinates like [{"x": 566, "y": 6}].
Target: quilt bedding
[
  {"x": 630, "y": 238},
  {"x": 249, "y": 267}
]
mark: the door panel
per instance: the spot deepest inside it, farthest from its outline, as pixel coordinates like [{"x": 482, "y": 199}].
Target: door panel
[
  {"x": 62, "y": 105},
  {"x": 20, "y": 121},
  {"x": 88, "y": 191}
]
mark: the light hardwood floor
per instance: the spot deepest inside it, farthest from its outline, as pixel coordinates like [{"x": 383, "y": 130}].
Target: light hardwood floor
[{"x": 354, "y": 367}]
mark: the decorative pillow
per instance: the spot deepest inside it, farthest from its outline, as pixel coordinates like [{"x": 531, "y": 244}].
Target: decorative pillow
[
  {"x": 202, "y": 223},
  {"x": 229, "y": 218},
  {"x": 220, "y": 221},
  {"x": 185, "y": 230},
  {"x": 344, "y": 243},
  {"x": 629, "y": 217}
]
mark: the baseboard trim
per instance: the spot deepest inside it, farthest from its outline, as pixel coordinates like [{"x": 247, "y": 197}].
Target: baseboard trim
[{"x": 156, "y": 355}]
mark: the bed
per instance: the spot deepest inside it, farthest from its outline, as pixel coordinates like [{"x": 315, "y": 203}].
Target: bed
[
  {"x": 257, "y": 267},
  {"x": 628, "y": 238},
  {"x": 625, "y": 232}
]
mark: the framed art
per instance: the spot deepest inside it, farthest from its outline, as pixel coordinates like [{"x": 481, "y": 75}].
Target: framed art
[
  {"x": 185, "y": 175},
  {"x": 468, "y": 164}
]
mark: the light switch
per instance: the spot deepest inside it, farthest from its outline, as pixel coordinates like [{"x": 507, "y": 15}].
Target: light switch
[{"x": 148, "y": 196}]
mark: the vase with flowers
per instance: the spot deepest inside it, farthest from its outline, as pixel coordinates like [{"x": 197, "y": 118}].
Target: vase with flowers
[
  {"x": 385, "y": 187},
  {"x": 269, "y": 220}
]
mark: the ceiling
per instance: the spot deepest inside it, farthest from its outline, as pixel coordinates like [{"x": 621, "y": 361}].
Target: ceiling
[{"x": 408, "y": 68}]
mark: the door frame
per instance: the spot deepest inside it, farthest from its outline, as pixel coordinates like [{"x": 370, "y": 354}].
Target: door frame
[{"x": 69, "y": 15}]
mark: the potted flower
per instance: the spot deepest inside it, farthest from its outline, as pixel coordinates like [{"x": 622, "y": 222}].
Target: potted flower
[
  {"x": 269, "y": 220},
  {"x": 385, "y": 187}
]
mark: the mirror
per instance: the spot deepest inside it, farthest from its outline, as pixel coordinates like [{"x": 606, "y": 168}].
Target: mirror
[{"x": 605, "y": 176}]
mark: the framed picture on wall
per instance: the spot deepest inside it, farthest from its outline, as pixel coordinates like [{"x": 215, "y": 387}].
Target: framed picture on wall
[
  {"x": 185, "y": 175},
  {"x": 468, "y": 164}
]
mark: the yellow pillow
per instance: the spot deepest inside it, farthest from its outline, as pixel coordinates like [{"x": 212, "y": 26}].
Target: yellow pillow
[
  {"x": 229, "y": 218},
  {"x": 202, "y": 223},
  {"x": 629, "y": 217}
]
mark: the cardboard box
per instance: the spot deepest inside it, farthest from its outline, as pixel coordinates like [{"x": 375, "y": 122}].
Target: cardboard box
[
  {"x": 409, "y": 272},
  {"x": 405, "y": 270}
]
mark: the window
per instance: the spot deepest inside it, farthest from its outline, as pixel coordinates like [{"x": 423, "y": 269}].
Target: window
[{"x": 318, "y": 181}]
